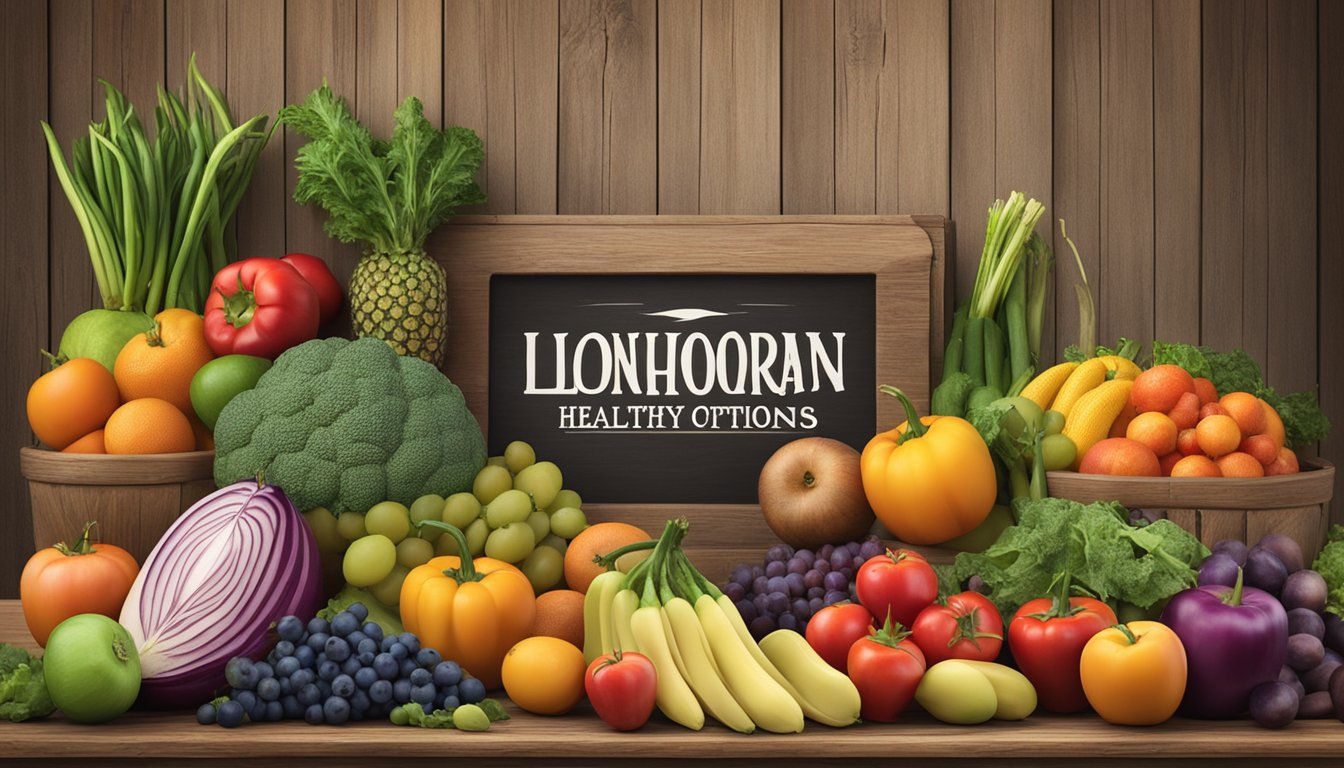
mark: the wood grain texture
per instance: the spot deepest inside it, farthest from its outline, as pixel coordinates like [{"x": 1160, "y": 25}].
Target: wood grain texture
[
  {"x": 128, "y": 50},
  {"x": 256, "y": 52},
  {"x": 376, "y": 53},
  {"x": 973, "y": 132},
  {"x": 464, "y": 81},
  {"x": 808, "y": 77},
  {"x": 679, "y": 64},
  {"x": 1330, "y": 277},
  {"x": 919, "y": 183},
  {"x": 865, "y": 98},
  {"x": 536, "y": 53},
  {"x": 1176, "y": 163},
  {"x": 199, "y": 27},
  {"x": 420, "y": 55}
]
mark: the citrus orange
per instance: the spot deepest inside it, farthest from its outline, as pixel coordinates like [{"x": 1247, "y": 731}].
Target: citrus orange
[
  {"x": 1155, "y": 430},
  {"x": 1238, "y": 464},
  {"x": 600, "y": 539},
  {"x": 1187, "y": 442},
  {"x": 1262, "y": 447},
  {"x": 1167, "y": 462},
  {"x": 160, "y": 363},
  {"x": 560, "y": 614},
  {"x": 1218, "y": 435},
  {"x": 1196, "y": 466},
  {"x": 148, "y": 425},
  {"x": 205, "y": 439},
  {"x": 70, "y": 401},
  {"x": 1206, "y": 391},
  {"x": 1212, "y": 409},
  {"x": 1121, "y": 423},
  {"x": 1274, "y": 424},
  {"x": 1285, "y": 464},
  {"x": 1121, "y": 456},
  {"x": 1160, "y": 388},
  {"x": 544, "y": 675},
  {"x": 1186, "y": 412},
  {"x": 1245, "y": 408},
  {"x": 90, "y": 443}
]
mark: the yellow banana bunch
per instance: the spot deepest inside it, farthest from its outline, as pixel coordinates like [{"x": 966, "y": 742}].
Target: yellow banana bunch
[{"x": 1090, "y": 395}]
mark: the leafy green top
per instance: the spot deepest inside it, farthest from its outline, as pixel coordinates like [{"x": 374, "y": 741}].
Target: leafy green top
[
  {"x": 388, "y": 194},
  {"x": 23, "y": 687},
  {"x": 1330, "y": 564}
]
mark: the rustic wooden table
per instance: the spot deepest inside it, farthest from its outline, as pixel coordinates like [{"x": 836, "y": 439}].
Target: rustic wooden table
[{"x": 580, "y": 739}]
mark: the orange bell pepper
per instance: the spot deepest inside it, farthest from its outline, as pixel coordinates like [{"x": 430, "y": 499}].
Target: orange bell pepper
[
  {"x": 930, "y": 479},
  {"x": 470, "y": 610},
  {"x": 1134, "y": 674}
]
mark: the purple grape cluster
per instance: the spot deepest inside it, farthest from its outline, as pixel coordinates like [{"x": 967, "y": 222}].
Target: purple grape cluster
[{"x": 791, "y": 585}]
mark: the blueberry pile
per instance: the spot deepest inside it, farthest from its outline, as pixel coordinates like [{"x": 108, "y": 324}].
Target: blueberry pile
[
  {"x": 791, "y": 585},
  {"x": 332, "y": 672}
]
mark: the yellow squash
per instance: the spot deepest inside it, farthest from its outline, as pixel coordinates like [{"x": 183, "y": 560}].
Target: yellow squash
[
  {"x": 1091, "y": 418},
  {"x": 1044, "y": 387}
]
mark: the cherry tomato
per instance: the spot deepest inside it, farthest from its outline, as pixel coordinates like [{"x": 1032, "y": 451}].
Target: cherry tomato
[
  {"x": 886, "y": 667},
  {"x": 1047, "y": 636},
  {"x": 621, "y": 687},
  {"x": 900, "y": 582},
  {"x": 968, "y": 626},
  {"x": 832, "y": 631}
]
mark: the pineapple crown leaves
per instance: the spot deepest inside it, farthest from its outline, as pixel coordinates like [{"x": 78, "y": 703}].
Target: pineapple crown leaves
[{"x": 388, "y": 194}]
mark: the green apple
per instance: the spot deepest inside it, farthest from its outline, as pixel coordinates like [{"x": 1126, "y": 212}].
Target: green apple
[{"x": 222, "y": 379}]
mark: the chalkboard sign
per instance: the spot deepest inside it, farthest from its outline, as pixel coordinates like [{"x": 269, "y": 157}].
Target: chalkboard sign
[
  {"x": 665, "y": 387},
  {"x": 660, "y": 360}
]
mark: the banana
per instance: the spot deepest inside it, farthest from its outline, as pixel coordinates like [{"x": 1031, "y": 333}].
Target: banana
[
  {"x": 1045, "y": 386},
  {"x": 1085, "y": 378},
  {"x": 609, "y": 589},
  {"x": 674, "y": 696},
  {"x": 623, "y": 606},
  {"x": 593, "y": 603},
  {"x": 827, "y": 688},
  {"x": 702, "y": 674},
  {"x": 1015, "y": 694},
  {"x": 765, "y": 701}
]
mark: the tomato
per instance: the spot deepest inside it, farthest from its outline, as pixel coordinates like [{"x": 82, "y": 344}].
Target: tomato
[
  {"x": 968, "y": 626},
  {"x": 544, "y": 675},
  {"x": 833, "y": 629},
  {"x": 70, "y": 401},
  {"x": 259, "y": 307},
  {"x": 900, "y": 583},
  {"x": 622, "y": 689},
  {"x": 222, "y": 379},
  {"x": 1047, "y": 636},
  {"x": 1134, "y": 674},
  {"x": 63, "y": 581},
  {"x": 886, "y": 667},
  {"x": 325, "y": 285}
]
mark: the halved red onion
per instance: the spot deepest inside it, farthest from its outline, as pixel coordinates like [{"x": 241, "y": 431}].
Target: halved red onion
[{"x": 235, "y": 562}]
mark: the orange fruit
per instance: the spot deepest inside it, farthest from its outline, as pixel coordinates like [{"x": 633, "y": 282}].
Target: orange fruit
[
  {"x": 1160, "y": 388},
  {"x": 1262, "y": 447},
  {"x": 1196, "y": 466},
  {"x": 1274, "y": 424},
  {"x": 148, "y": 425},
  {"x": 1186, "y": 412},
  {"x": 1206, "y": 391},
  {"x": 600, "y": 539},
  {"x": 1238, "y": 464},
  {"x": 1285, "y": 464},
  {"x": 1245, "y": 408},
  {"x": 1168, "y": 462},
  {"x": 70, "y": 401},
  {"x": 1218, "y": 435},
  {"x": 205, "y": 439},
  {"x": 560, "y": 614},
  {"x": 1187, "y": 442},
  {"x": 1121, "y": 456},
  {"x": 1155, "y": 430},
  {"x": 160, "y": 363},
  {"x": 1121, "y": 423},
  {"x": 544, "y": 675},
  {"x": 1212, "y": 409},
  {"x": 90, "y": 443}
]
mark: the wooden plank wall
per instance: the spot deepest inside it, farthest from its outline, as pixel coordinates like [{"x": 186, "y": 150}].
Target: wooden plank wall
[{"x": 1193, "y": 146}]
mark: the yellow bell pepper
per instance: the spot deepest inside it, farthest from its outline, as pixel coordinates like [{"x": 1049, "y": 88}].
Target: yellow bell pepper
[
  {"x": 930, "y": 479},
  {"x": 469, "y": 610}
]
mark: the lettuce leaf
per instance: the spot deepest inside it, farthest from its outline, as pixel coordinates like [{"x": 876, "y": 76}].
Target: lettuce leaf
[{"x": 23, "y": 688}]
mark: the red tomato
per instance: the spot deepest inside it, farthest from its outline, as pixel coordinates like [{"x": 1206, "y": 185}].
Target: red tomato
[
  {"x": 1047, "y": 639},
  {"x": 833, "y": 629},
  {"x": 622, "y": 688},
  {"x": 886, "y": 667},
  {"x": 325, "y": 285},
  {"x": 62, "y": 581},
  {"x": 900, "y": 583},
  {"x": 967, "y": 627}
]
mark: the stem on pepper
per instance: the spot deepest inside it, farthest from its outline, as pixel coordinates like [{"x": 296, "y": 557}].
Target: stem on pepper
[
  {"x": 914, "y": 427},
  {"x": 1233, "y": 598},
  {"x": 466, "y": 570}
]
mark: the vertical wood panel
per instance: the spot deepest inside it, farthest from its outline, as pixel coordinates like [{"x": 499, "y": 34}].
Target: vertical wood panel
[
  {"x": 739, "y": 124},
  {"x": 973, "y": 132},
  {"x": 375, "y": 95},
  {"x": 536, "y": 78},
  {"x": 608, "y": 107},
  {"x": 1330, "y": 282},
  {"x": 464, "y": 81},
  {"x": 1077, "y": 162},
  {"x": 420, "y": 55},
  {"x": 200, "y": 27},
  {"x": 1223, "y": 178},
  {"x": 256, "y": 57},
  {"x": 679, "y": 47},
  {"x": 1126, "y": 289},
  {"x": 23, "y": 241},
  {"x": 1176, "y": 158},
  {"x": 863, "y": 99},
  {"x": 1255, "y": 227},
  {"x": 128, "y": 50},
  {"x": 919, "y": 181},
  {"x": 807, "y": 105}
]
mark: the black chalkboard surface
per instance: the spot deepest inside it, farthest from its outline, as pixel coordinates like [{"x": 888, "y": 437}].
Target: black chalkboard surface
[{"x": 677, "y": 388}]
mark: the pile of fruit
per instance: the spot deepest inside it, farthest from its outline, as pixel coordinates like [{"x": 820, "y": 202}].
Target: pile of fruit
[{"x": 792, "y": 585}]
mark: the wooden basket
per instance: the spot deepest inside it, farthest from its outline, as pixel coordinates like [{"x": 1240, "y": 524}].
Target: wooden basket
[
  {"x": 133, "y": 498},
  {"x": 1221, "y": 508}
]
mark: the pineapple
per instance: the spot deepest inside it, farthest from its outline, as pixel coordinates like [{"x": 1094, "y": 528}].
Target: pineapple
[{"x": 400, "y": 298}]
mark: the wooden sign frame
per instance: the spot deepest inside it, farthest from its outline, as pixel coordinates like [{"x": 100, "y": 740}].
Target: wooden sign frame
[{"x": 906, "y": 255}]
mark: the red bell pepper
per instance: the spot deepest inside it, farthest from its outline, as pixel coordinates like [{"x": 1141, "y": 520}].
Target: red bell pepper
[
  {"x": 318, "y": 275},
  {"x": 1047, "y": 636},
  {"x": 259, "y": 307}
]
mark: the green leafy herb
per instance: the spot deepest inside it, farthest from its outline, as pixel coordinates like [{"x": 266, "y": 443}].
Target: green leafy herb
[
  {"x": 23, "y": 688},
  {"x": 1330, "y": 564},
  {"x": 413, "y": 714},
  {"x": 385, "y": 617},
  {"x": 388, "y": 194},
  {"x": 1127, "y": 348},
  {"x": 1106, "y": 555}
]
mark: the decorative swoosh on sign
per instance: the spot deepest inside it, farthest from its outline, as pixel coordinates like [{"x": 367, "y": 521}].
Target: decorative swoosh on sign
[{"x": 686, "y": 315}]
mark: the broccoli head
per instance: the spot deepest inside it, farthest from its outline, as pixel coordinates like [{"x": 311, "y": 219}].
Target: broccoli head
[{"x": 346, "y": 424}]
